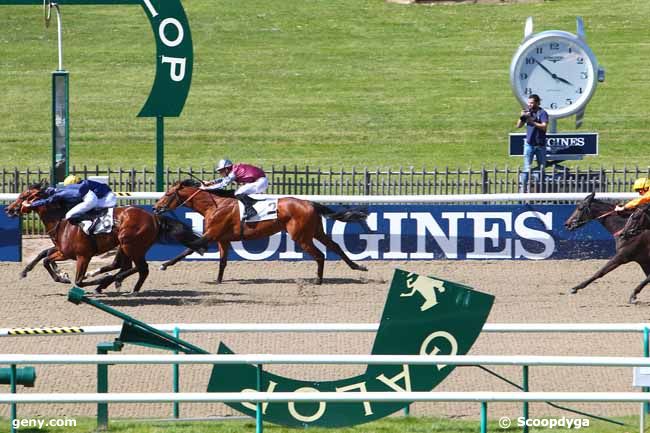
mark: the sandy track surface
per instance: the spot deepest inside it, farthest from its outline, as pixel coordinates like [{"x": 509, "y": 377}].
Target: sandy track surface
[{"x": 525, "y": 291}]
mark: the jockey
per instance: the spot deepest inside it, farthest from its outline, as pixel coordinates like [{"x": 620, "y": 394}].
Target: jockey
[
  {"x": 642, "y": 186},
  {"x": 85, "y": 195},
  {"x": 251, "y": 180}
]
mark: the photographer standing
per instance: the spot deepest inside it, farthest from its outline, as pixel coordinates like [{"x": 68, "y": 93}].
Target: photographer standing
[{"x": 536, "y": 120}]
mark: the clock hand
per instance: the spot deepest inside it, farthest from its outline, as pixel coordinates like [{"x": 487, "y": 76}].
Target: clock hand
[
  {"x": 563, "y": 80},
  {"x": 545, "y": 68},
  {"x": 552, "y": 74}
]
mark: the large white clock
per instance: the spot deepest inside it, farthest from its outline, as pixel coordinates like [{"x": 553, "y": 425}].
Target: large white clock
[{"x": 559, "y": 67}]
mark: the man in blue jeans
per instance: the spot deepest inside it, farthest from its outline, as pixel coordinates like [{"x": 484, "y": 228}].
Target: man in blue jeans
[{"x": 536, "y": 120}]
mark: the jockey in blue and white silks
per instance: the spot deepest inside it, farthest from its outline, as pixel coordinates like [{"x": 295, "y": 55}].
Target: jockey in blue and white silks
[{"x": 84, "y": 196}]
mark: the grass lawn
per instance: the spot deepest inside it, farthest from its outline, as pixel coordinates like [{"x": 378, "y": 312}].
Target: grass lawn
[
  {"x": 388, "y": 425},
  {"x": 311, "y": 82}
]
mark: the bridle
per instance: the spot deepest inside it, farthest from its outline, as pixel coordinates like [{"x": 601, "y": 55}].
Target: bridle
[{"x": 176, "y": 196}]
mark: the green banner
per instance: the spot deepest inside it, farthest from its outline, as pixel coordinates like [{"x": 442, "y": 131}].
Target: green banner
[
  {"x": 422, "y": 316},
  {"x": 174, "y": 51},
  {"x": 174, "y": 58}
]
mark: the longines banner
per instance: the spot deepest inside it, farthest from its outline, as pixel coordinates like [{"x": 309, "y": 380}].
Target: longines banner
[{"x": 429, "y": 232}]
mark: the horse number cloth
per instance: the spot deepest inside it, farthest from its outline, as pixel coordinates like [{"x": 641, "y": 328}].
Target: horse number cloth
[{"x": 267, "y": 208}]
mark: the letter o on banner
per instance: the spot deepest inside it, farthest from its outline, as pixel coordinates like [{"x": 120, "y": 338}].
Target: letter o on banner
[
  {"x": 319, "y": 413},
  {"x": 163, "y": 37}
]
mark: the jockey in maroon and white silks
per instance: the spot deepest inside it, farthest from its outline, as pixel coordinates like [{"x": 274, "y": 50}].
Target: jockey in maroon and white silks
[{"x": 251, "y": 180}]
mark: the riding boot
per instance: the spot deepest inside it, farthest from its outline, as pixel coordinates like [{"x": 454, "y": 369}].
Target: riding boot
[
  {"x": 248, "y": 202},
  {"x": 92, "y": 227}
]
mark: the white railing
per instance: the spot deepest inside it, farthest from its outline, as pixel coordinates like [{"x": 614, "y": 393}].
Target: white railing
[
  {"x": 423, "y": 199},
  {"x": 255, "y": 359},
  {"x": 254, "y": 397},
  {"x": 319, "y": 327}
]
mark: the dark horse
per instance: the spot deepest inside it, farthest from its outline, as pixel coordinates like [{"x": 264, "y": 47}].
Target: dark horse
[
  {"x": 134, "y": 232},
  {"x": 301, "y": 219},
  {"x": 629, "y": 249}
]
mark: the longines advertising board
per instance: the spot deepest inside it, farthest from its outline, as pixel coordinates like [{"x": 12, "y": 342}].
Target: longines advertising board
[{"x": 431, "y": 232}]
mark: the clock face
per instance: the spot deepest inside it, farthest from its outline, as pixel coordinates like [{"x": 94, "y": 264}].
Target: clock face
[{"x": 560, "y": 69}]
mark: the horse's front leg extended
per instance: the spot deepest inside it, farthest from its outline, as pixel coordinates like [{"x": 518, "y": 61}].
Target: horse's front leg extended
[
  {"x": 46, "y": 252},
  {"x": 50, "y": 266},
  {"x": 612, "y": 264}
]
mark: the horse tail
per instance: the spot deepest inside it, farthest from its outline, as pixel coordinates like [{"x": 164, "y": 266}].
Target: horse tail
[
  {"x": 355, "y": 214},
  {"x": 175, "y": 230}
]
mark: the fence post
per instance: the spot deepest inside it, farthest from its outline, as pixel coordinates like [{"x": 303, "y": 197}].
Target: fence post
[
  {"x": 646, "y": 353},
  {"x": 12, "y": 384},
  {"x": 176, "y": 378},
  {"x": 524, "y": 388},
  {"x": 102, "y": 381},
  {"x": 259, "y": 426},
  {"x": 483, "y": 417}
]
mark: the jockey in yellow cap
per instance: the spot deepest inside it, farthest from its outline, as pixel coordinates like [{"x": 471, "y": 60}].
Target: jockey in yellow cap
[{"x": 642, "y": 186}]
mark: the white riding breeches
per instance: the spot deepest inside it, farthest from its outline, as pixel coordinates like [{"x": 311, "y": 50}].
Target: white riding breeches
[
  {"x": 90, "y": 202},
  {"x": 109, "y": 200},
  {"x": 257, "y": 187}
]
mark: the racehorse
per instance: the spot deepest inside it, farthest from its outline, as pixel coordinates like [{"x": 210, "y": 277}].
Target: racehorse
[
  {"x": 629, "y": 249},
  {"x": 134, "y": 231},
  {"x": 301, "y": 219},
  {"x": 13, "y": 210}
]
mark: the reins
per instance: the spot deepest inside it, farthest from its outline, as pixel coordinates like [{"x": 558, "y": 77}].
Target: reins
[
  {"x": 190, "y": 197},
  {"x": 606, "y": 214}
]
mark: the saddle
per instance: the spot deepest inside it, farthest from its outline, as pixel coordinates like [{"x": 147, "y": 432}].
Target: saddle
[{"x": 96, "y": 221}]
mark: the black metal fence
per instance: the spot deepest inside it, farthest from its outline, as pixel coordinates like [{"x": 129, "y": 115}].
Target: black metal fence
[
  {"x": 362, "y": 181},
  {"x": 367, "y": 181}
]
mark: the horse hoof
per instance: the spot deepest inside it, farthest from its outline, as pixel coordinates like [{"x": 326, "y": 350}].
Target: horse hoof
[
  {"x": 632, "y": 300},
  {"x": 573, "y": 291},
  {"x": 98, "y": 291},
  {"x": 163, "y": 267},
  {"x": 362, "y": 268},
  {"x": 23, "y": 274}
]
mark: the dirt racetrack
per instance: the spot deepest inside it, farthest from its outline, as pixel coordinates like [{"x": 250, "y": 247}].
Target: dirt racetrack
[{"x": 525, "y": 291}]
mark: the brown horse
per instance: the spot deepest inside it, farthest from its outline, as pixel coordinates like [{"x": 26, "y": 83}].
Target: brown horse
[
  {"x": 629, "y": 249},
  {"x": 301, "y": 219},
  {"x": 13, "y": 210},
  {"x": 134, "y": 233}
]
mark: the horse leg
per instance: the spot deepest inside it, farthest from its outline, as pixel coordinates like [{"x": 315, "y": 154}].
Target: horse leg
[
  {"x": 117, "y": 263},
  {"x": 309, "y": 247},
  {"x": 82, "y": 267},
  {"x": 329, "y": 243},
  {"x": 224, "y": 246},
  {"x": 38, "y": 258},
  {"x": 637, "y": 289},
  {"x": 50, "y": 266},
  {"x": 143, "y": 270},
  {"x": 176, "y": 259},
  {"x": 612, "y": 264}
]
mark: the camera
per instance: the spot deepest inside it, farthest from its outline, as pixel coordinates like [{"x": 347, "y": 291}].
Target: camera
[{"x": 524, "y": 117}]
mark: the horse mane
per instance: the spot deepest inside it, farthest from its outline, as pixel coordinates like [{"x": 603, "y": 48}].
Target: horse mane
[
  {"x": 190, "y": 182},
  {"x": 227, "y": 193}
]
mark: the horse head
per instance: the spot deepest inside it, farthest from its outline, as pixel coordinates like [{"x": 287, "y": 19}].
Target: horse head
[
  {"x": 582, "y": 214},
  {"x": 636, "y": 223},
  {"x": 33, "y": 192},
  {"x": 176, "y": 195}
]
